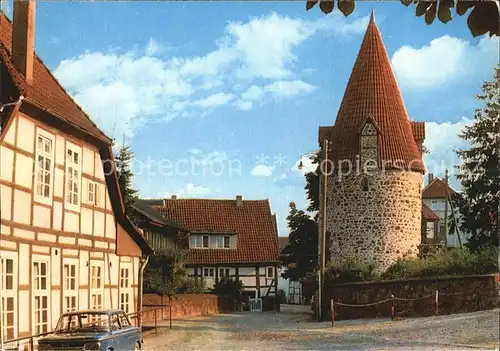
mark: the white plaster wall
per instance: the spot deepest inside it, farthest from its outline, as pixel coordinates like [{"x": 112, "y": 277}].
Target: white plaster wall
[
  {"x": 22, "y": 204},
  {"x": 41, "y": 216},
  {"x": 24, "y": 170},
  {"x": 10, "y": 134},
  {"x": 58, "y": 185},
  {"x": 60, "y": 150},
  {"x": 7, "y": 159},
  {"x": 5, "y": 202},
  {"x": 88, "y": 161},
  {"x": 57, "y": 210},
  {"x": 99, "y": 172},
  {"x": 86, "y": 220},
  {"x": 26, "y": 134},
  {"x": 71, "y": 222},
  {"x": 110, "y": 226},
  {"x": 98, "y": 223},
  {"x": 247, "y": 270}
]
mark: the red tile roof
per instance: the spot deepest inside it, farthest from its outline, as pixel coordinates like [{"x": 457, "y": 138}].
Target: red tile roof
[
  {"x": 45, "y": 92},
  {"x": 418, "y": 130},
  {"x": 436, "y": 190},
  {"x": 372, "y": 90},
  {"x": 253, "y": 223},
  {"x": 429, "y": 214}
]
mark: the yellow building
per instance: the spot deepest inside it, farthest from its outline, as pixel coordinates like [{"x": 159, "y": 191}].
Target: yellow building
[{"x": 65, "y": 242}]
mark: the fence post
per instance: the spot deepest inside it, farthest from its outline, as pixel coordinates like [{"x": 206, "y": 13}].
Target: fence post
[
  {"x": 32, "y": 344},
  {"x": 156, "y": 323},
  {"x": 332, "y": 310},
  {"x": 393, "y": 309},
  {"x": 437, "y": 301}
]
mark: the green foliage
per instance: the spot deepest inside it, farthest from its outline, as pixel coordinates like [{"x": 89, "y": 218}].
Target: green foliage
[
  {"x": 165, "y": 273},
  {"x": 446, "y": 263},
  {"x": 483, "y": 18},
  {"x": 351, "y": 270},
  {"x": 123, "y": 163},
  {"x": 192, "y": 286},
  {"x": 479, "y": 172},
  {"x": 229, "y": 288},
  {"x": 312, "y": 185},
  {"x": 300, "y": 256}
]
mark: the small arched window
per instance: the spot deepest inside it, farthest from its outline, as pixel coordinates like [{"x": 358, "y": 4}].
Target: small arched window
[{"x": 364, "y": 184}]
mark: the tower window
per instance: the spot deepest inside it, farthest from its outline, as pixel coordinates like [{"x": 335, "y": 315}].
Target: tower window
[{"x": 364, "y": 184}]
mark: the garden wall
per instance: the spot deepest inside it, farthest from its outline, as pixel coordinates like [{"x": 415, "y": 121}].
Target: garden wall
[
  {"x": 183, "y": 305},
  {"x": 414, "y": 297}
]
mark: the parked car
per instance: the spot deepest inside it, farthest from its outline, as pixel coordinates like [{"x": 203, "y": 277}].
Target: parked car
[{"x": 93, "y": 330}]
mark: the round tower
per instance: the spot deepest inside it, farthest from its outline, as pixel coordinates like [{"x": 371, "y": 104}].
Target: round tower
[{"x": 373, "y": 209}]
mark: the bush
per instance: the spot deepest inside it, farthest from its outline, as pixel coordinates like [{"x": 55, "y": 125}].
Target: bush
[
  {"x": 349, "y": 271},
  {"x": 192, "y": 286},
  {"x": 446, "y": 263},
  {"x": 230, "y": 289}
]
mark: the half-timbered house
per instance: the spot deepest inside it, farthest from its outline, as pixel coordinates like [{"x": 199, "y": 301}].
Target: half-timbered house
[
  {"x": 65, "y": 241},
  {"x": 227, "y": 238}
]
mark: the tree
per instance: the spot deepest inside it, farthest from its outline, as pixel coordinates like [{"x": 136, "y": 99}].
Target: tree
[
  {"x": 479, "y": 172},
  {"x": 483, "y": 18},
  {"x": 123, "y": 162},
  {"x": 312, "y": 185},
  {"x": 302, "y": 249}
]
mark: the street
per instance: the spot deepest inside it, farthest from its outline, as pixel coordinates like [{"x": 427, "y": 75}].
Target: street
[{"x": 292, "y": 329}]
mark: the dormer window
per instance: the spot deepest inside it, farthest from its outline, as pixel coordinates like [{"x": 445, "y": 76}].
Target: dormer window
[{"x": 210, "y": 241}]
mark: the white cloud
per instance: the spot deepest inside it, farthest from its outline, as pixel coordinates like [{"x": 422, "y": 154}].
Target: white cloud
[
  {"x": 123, "y": 90},
  {"x": 288, "y": 88},
  {"x": 190, "y": 191},
  {"x": 214, "y": 100},
  {"x": 153, "y": 48},
  {"x": 442, "y": 139},
  {"x": 445, "y": 59},
  {"x": 262, "y": 171}
]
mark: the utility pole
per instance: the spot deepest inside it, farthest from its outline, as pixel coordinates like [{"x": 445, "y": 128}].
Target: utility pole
[
  {"x": 446, "y": 209},
  {"x": 322, "y": 240}
]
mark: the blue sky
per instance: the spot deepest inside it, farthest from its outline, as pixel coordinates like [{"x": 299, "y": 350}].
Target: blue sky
[{"x": 222, "y": 98}]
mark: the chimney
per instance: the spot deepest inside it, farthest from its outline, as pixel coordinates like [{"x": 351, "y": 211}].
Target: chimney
[
  {"x": 174, "y": 197},
  {"x": 239, "y": 200},
  {"x": 23, "y": 37},
  {"x": 430, "y": 177}
]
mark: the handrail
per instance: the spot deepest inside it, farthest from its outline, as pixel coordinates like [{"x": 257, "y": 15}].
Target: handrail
[{"x": 31, "y": 337}]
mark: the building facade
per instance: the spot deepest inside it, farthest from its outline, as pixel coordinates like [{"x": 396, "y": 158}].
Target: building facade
[
  {"x": 65, "y": 242},
  {"x": 437, "y": 196},
  {"x": 375, "y": 167},
  {"x": 227, "y": 238}
]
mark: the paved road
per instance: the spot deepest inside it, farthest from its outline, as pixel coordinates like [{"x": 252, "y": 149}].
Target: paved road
[{"x": 291, "y": 329}]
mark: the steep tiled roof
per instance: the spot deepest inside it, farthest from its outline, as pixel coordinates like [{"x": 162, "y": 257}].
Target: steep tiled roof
[
  {"x": 253, "y": 223},
  {"x": 372, "y": 90},
  {"x": 429, "y": 214},
  {"x": 45, "y": 92},
  {"x": 283, "y": 241},
  {"x": 418, "y": 130},
  {"x": 436, "y": 190}
]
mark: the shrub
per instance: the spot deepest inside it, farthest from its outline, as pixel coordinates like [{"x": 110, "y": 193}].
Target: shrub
[
  {"x": 192, "y": 286},
  {"x": 229, "y": 288},
  {"x": 351, "y": 270},
  {"x": 446, "y": 263}
]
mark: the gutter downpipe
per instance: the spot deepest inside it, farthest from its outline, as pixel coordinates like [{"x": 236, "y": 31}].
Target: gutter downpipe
[{"x": 142, "y": 267}]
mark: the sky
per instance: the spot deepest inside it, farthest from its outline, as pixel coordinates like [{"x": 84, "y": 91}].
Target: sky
[{"x": 218, "y": 99}]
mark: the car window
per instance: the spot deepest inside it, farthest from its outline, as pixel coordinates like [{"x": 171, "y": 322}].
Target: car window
[
  {"x": 115, "y": 322},
  {"x": 124, "y": 320}
]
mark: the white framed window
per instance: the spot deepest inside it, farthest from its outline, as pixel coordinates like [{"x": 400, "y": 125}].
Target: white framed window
[
  {"x": 41, "y": 293},
  {"x": 73, "y": 175},
  {"x": 270, "y": 272},
  {"x": 219, "y": 242},
  {"x": 195, "y": 241},
  {"x": 443, "y": 205},
  {"x": 44, "y": 166},
  {"x": 8, "y": 287},
  {"x": 94, "y": 193},
  {"x": 435, "y": 205},
  {"x": 96, "y": 285},
  {"x": 125, "y": 289},
  {"x": 223, "y": 272},
  {"x": 227, "y": 241},
  {"x": 208, "y": 272},
  {"x": 70, "y": 286},
  {"x": 206, "y": 241},
  {"x": 430, "y": 230}
]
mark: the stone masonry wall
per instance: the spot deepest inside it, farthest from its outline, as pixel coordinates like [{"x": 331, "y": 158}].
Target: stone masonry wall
[{"x": 379, "y": 225}]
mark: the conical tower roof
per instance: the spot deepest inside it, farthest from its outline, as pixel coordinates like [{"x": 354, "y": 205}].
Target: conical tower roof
[{"x": 372, "y": 91}]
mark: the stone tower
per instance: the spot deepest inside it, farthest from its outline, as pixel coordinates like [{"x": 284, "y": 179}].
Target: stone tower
[{"x": 373, "y": 209}]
